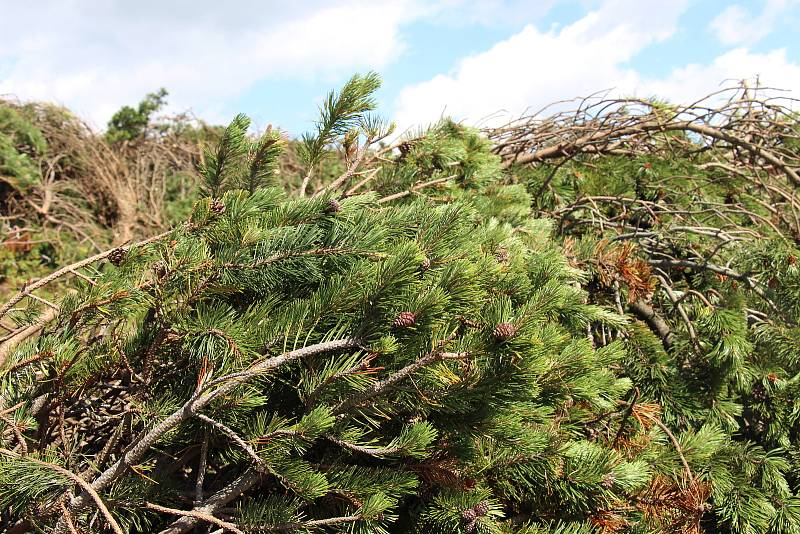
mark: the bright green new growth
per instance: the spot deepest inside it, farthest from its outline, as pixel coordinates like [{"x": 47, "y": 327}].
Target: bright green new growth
[
  {"x": 219, "y": 167},
  {"x": 238, "y": 162},
  {"x": 263, "y": 157},
  {"x": 344, "y": 119},
  {"x": 339, "y": 114}
]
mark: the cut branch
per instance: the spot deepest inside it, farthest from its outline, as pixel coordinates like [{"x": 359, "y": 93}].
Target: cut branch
[
  {"x": 655, "y": 322},
  {"x": 192, "y": 407}
]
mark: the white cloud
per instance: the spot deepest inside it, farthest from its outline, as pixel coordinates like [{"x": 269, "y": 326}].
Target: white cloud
[
  {"x": 737, "y": 26},
  {"x": 534, "y": 68},
  {"x": 489, "y": 12},
  {"x": 95, "y": 55},
  {"x": 686, "y": 84}
]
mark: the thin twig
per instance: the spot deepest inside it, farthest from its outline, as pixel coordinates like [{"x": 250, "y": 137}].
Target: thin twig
[{"x": 208, "y": 518}]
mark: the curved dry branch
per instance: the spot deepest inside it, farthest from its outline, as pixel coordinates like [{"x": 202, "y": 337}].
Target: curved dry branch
[{"x": 69, "y": 269}]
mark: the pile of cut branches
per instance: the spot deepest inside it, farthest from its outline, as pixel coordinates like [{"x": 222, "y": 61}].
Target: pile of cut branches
[{"x": 583, "y": 321}]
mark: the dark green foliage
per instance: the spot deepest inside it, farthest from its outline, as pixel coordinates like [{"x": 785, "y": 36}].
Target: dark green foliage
[
  {"x": 21, "y": 143},
  {"x": 129, "y": 124},
  {"x": 431, "y": 420}
]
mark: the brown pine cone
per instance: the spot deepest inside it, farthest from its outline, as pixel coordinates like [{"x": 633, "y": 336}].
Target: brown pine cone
[
  {"x": 773, "y": 282},
  {"x": 425, "y": 265},
  {"x": 759, "y": 393},
  {"x": 160, "y": 268},
  {"x": 117, "y": 256},
  {"x": 608, "y": 480},
  {"x": 469, "y": 484},
  {"x": 503, "y": 255},
  {"x": 367, "y": 361},
  {"x": 469, "y": 515},
  {"x": 217, "y": 206},
  {"x": 504, "y": 331},
  {"x": 482, "y": 508},
  {"x": 405, "y": 319},
  {"x": 333, "y": 206}
]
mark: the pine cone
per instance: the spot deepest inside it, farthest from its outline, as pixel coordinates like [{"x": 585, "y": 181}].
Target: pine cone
[
  {"x": 759, "y": 393},
  {"x": 405, "y": 319},
  {"x": 333, "y": 206},
  {"x": 773, "y": 282},
  {"x": 367, "y": 361},
  {"x": 469, "y": 484},
  {"x": 160, "y": 269},
  {"x": 502, "y": 255},
  {"x": 425, "y": 265},
  {"x": 469, "y": 515},
  {"x": 504, "y": 331},
  {"x": 471, "y": 526},
  {"x": 217, "y": 206},
  {"x": 117, "y": 256},
  {"x": 608, "y": 480},
  {"x": 482, "y": 508}
]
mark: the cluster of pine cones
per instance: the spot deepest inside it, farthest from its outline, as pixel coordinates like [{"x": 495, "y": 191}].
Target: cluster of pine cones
[{"x": 470, "y": 515}]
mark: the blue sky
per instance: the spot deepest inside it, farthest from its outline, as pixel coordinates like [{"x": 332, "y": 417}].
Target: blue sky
[{"x": 276, "y": 60}]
